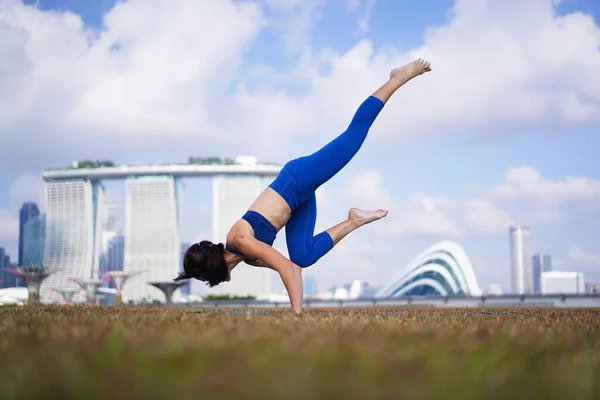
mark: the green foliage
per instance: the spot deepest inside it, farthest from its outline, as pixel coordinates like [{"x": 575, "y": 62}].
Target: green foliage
[
  {"x": 94, "y": 164},
  {"x": 150, "y": 352},
  {"x": 210, "y": 161},
  {"x": 213, "y": 297}
]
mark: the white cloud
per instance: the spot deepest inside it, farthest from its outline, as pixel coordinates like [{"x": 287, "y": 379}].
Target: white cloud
[
  {"x": 366, "y": 190},
  {"x": 293, "y": 19},
  {"x": 365, "y": 8},
  {"x": 160, "y": 74},
  {"x": 423, "y": 215},
  {"x": 28, "y": 187},
  {"x": 484, "y": 211},
  {"x": 483, "y": 216},
  {"x": 582, "y": 258},
  {"x": 65, "y": 84},
  {"x": 527, "y": 183},
  {"x": 9, "y": 225}
]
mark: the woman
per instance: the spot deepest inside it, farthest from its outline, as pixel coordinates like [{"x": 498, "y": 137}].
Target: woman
[{"x": 290, "y": 201}]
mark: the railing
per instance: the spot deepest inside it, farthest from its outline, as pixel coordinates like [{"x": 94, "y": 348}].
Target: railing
[{"x": 559, "y": 300}]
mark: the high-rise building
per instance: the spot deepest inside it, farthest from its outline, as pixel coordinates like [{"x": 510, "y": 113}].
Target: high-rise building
[
  {"x": 541, "y": 263},
  {"x": 73, "y": 233},
  {"x": 232, "y": 195},
  {"x": 28, "y": 211},
  {"x": 9, "y": 279},
  {"x": 495, "y": 290},
  {"x": 186, "y": 289},
  {"x": 115, "y": 255},
  {"x": 152, "y": 240},
  {"x": 558, "y": 282},
  {"x": 592, "y": 288},
  {"x": 520, "y": 260},
  {"x": 34, "y": 239},
  {"x": 310, "y": 285},
  {"x": 112, "y": 224},
  {"x": 2, "y": 271}
]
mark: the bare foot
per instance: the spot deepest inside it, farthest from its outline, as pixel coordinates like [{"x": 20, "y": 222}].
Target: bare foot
[
  {"x": 361, "y": 217},
  {"x": 411, "y": 70}
]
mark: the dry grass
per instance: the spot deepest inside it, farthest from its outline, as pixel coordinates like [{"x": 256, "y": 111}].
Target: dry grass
[{"x": 155, "y": 352}]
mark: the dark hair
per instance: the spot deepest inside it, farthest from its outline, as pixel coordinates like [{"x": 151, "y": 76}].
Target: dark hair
[{"x": 205, "y": 262}]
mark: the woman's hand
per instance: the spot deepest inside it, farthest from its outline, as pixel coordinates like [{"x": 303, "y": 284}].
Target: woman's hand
[{"x": 290, "y": 273}]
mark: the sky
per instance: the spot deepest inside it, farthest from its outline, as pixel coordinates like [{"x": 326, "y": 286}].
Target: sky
[{"x": 504, "y": 130}]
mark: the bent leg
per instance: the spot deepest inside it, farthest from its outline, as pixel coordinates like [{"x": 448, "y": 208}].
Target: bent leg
[{"x": 304, "y": 247}]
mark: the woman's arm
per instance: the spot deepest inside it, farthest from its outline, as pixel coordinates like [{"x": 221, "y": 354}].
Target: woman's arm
[{"x": 290, "y": 273}]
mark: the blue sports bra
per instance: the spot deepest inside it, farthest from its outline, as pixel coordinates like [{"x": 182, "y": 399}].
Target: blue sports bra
[{"x": 264, "y": 231}]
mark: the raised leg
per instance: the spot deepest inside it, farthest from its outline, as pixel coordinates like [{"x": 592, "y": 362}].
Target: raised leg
[
  {"x": 400, "y": 76},
  {"x": 312, "y": 171}
]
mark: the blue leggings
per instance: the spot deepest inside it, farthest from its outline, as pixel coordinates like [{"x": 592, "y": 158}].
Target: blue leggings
[{"x": 300, "y": 178}]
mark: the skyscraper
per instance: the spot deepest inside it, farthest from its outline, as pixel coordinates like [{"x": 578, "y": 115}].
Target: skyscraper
[
  {"x": 310, "y": 285},
  {"x": 232, "y": 195},
  {"x": 10, "y": 279},
  {"x": 152, "y": 240},
  {"x": 27, "y": 212},
  {"x": 73, "y": 227},
  {"x": 112, "y": 224},
  {"x": 115, "y": 254},
  {"x": 520, "y": 260},
  {"x": 186, "y": 289},
  {"x": 541, "y": 263},
  {"x": 34, "y": 238}
]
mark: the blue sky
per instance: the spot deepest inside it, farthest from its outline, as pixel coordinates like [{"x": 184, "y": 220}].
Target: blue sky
[{"x": 452, "y": 137}]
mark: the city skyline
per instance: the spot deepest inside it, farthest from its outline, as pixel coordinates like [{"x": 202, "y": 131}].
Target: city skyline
[
  {"x": 454, "y": 155},
  {"x": 229, "y": 197},
  {"x": 443, "y": 267}
]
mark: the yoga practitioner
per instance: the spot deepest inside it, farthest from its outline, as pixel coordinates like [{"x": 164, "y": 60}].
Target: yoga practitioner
[{"x": 290, "y": 201}]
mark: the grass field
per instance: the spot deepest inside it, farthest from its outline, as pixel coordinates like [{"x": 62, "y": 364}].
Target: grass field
[{"x": 372, "y": 353}]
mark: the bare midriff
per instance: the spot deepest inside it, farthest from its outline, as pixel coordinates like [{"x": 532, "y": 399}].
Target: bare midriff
[{"x": 273, "y": 207}]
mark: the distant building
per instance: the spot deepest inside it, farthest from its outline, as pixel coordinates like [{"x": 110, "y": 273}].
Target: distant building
[
  {"x": 73, "y": 234},
  {"x": 113, "y": 259},
  {"x": 28, "y": 211},
  {"x": 232, "y": 195},
  {"x": 495, "y": 289},
  {"x": 186, "y": 289},
  {"x": 10, "y": 280},
  {"x": 310, "y": 285},
  {"x": 115, "y": 254},
  {"x": 592, "y": 288},
  {"x": 34, "y": 241},
  {"x": 540, "y": 263},
  {"x": 557, "y": 282},
  {"x": 520, "y": 260},
  {"x": 152, "y": 234},
  {"x": 443, "y": 269}
]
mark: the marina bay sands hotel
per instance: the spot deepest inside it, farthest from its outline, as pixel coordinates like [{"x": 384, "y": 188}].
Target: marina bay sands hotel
[{"x": 153, "y": 208}]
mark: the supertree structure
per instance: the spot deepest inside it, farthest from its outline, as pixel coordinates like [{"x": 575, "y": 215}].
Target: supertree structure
[
  {"x": 33, "y": 275},
  {"x": 168, "y": 288},
  {"x": 90, "y": 287},
  {"x": 67, "y": 294},
  {"x": 119, "y": 278}
]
